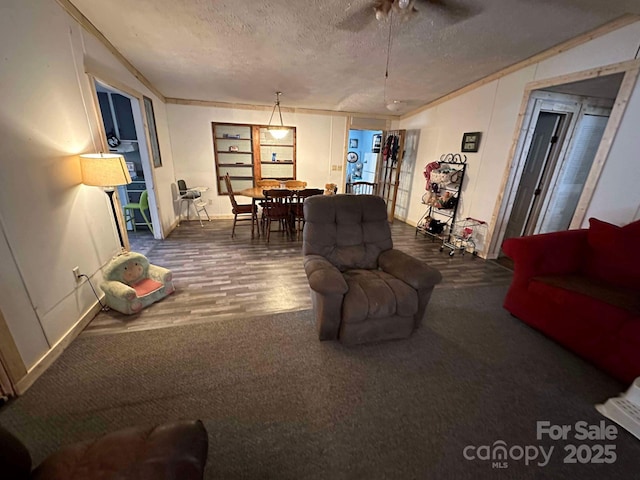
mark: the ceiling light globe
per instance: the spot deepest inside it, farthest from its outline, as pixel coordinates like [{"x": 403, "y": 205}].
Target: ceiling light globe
[
  {"x": 278, "y": 133},
  {"x": 394, "y": 106},
  {"x": 381, "y": 16}
]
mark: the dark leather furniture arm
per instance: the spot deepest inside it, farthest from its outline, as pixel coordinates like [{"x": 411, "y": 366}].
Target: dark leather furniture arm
[{"x": 165, "y": 452}]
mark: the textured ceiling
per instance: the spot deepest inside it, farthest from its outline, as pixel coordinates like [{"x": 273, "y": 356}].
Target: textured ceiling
[{"x": 242, "y": 51}]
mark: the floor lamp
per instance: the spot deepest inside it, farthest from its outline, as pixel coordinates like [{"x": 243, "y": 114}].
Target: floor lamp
[{"x": 107, "y": 170}]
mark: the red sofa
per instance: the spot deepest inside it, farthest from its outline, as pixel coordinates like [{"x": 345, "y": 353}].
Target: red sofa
[{"x": 582, "y": 289}]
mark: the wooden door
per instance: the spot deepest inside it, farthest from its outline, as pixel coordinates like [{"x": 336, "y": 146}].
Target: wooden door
[
  {"x": 8, "y": 352},
  {"x": 544, "y": 138},
  {"x": 6, "y": 389},
  {"x": 388, "y": 168}
]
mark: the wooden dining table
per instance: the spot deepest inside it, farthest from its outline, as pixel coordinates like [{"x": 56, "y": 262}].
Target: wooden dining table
[{"x": 257, "y": 193}]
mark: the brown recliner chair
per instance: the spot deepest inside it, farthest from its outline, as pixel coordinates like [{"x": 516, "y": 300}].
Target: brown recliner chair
[
  {"x": 166, "y": 452},
  {"x": 362, "y": 288}
]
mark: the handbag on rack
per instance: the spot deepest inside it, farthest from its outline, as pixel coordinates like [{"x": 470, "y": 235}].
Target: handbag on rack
[
  {"x": 450, "y": 203},
  {"x": 445, "y": 176},
  {"x": 436, "y": 226}
]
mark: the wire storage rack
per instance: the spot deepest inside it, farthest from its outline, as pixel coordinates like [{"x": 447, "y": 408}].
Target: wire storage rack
[
  {"x": 463, "y": 236},
  {"x": 444, "y": 186}
]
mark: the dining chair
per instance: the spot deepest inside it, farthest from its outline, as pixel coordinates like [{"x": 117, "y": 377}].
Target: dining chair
[
  {"x": 277, "y": 207},
  {"x": 193, "y": 199},
  {"x": 295, "y": 184},
  {"x": 241, "y": 212},
  {"x": 297, "y": 210},
  {"x": 362, "y": 188},
  {"x": 131, "y": 208},
  {"x": 268, "y": 182}
]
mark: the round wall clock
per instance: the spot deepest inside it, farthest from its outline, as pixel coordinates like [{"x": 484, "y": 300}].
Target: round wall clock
[{"x": 352, "y": 157}]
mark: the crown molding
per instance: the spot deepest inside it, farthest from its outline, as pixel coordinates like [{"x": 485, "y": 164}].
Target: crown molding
[{"x": 616, "y": 24}]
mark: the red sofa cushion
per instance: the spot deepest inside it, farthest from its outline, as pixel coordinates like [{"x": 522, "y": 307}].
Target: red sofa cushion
[
  {"x": 613, "y": 253},
  {"x": 621, "y": 297},
  {"x": 146, "y": 286}
]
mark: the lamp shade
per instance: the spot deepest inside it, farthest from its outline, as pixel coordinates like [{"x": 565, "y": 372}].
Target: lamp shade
[
  {"x": 104, "y": 170},
  {"x": 394, "y": 106},
  {"x": 278, "y": 132}
]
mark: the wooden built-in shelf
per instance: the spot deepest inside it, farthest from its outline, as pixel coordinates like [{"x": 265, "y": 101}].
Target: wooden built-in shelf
[{"x": 261, "y": 145}]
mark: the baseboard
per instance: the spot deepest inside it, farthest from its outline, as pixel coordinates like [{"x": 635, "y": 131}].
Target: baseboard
[
  {"x": 172, "y": 227},
  {"x": 52, "y": 355}
]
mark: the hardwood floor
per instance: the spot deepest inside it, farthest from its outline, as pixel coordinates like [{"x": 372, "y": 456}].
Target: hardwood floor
[{"x": 217, "y": 277}]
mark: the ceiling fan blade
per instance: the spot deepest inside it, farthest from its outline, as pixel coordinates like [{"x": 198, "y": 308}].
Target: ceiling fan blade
[
  {"x": 359, "y": 19},
  {"x": 449, "y": 11}
]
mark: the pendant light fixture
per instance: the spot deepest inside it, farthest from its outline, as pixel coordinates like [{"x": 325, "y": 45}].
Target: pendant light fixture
[
  {"x": 278, "y": 132},
  {"x": 393, "y": 105},
  {"x": 383, "y": 8}
]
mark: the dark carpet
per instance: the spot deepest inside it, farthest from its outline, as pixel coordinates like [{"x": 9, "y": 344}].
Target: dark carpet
[{"x": 279, "y": 404}]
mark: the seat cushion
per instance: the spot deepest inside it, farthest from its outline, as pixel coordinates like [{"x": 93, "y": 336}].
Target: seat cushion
[
  {"x": 244, "y": 209},
  {"x": 190, "y": 195},
  {"x": 146, "y": 286},
  {"x": 625, "y": 298},
  {"x": 376, "y": 294},
  {"x": 612, "y": 253}
]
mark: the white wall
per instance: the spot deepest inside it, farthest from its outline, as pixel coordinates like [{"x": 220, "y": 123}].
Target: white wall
[
  {"x": 52, "y": 222},
  {"x": 617, "y": 195},
  {"x": 103, "y": 65},
  {"x": 319, "y": 140},
  {"x": 493, "y": 110}
]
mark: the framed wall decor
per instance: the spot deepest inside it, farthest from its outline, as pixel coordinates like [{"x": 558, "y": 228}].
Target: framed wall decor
[
  {"x": 377, "y": 141},
  {"x": 352, "y": 157},
  {"x": 471, "y": 142},
  {"x": 153, "y": 134}
]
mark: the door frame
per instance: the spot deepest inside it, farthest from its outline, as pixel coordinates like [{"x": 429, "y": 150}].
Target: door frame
[
  {"x": 570, "y": 144},
  {"x": 512, "y": 171},
  {"x": 548, "y": 103},
  {"x": 360, "y": 129},
  {"x": 144, "y": 146},
  {"x": 539, "y": 102},
  {"x": 388, "y": 190}
]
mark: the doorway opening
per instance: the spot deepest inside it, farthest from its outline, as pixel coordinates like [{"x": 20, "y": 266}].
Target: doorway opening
[
  {"x": 362, "y": 155},
  {"x": 122, "y": 119},
  {"x": 543, "y": 154},
  {"x": 561, "y": 133}
]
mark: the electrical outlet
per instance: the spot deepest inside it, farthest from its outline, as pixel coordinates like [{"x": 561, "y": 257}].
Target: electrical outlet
[
  {"x": 76, "y": 273},
  {"x": 211, "y": 201}
]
